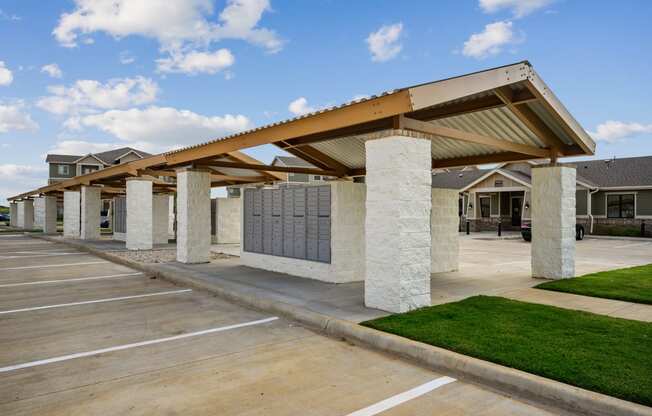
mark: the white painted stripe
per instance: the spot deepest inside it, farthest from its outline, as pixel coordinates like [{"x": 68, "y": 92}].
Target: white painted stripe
[
  {"x": 134, "y": 345},
  {"x": 53, "y": 265},
  {"x": 77, "y": 279},
  {"x": 42, "y": 255},
  {"x": 645, "y": 243},
  {"x": 87, "y": 302},
  {"x": 400, "y": 398},
  {"x": 56, "y": 250}
]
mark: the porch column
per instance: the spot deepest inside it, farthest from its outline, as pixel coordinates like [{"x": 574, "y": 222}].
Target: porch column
[
  {"x": 26, "y": 214},
  {"x": 139, "y": 214},
  {"x": 553, "y": 222},
  {"x": 397, "y": 223},
  {"x": 71, "y": 214},
  {"x": 444, "y": 230},
  {"x": 160, "y": 218},
  {"x": 49, "y": 214},
  {"x": 90, "y": 212},
  {"x": 193, "y": 215},
  {"x": 13, "y": 214},
  {"x": 39, "y": 212}
]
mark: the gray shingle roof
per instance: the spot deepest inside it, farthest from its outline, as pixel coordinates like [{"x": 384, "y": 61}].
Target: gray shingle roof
[
  {"x": 628, "y": 171},
  {"x": 61, "y": 158},
  {"x": 456, "y": 180},
  {"x": 108, "y": 157}
]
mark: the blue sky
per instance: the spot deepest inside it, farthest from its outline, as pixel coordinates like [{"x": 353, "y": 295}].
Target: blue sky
[{"x": 80, "y": 76}]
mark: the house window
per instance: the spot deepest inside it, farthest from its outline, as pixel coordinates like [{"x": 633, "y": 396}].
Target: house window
[
  {"x": 620, "y": 206},
  {"x": 89, "y": 169},
  {"x": 498, "y": 183},
  {"x": 485, "y": 206},
  {"x": 63, "y": 170},
  {"x": 316, "y": 177}
]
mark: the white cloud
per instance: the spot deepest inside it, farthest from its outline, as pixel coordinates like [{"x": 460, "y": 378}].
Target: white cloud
[
  {"x": 384, "y": 43},
  {"x": 81, "y": 147},
  {"x": 20, "y": 178},
  {"x": 163, "y": 128},
  {"x": 14, "y": 118},
  {"x": 6, "y": 77},
  {"x": 300, "y": 107},
  {"x": 519, "y": 8},
  {"x": 612, "y": 131},
  {"x": 7, "y": 16},
  {"x": 52, "y": 70},
  {"x": 178, "y": 25},
  {"x": 89, "y": 95},
  {"x": 490, "y": 41},
  {"x": 127, "y": 58},
  {"x": 196, "y": 62}
]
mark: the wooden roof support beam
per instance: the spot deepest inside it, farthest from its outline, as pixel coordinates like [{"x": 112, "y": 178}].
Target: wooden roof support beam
[
  {"x": 532, "y": 121},
  {"x": 479, "y": 160},
  {"x": 318, "y": 159},
  {"x": 243, "y": 157},
  {"x": 464, "y": 136},
  {"x": 238, "y": 165}
]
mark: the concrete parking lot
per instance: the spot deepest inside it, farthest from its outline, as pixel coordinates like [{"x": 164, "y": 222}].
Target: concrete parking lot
[{"x": 82, "y": 336}]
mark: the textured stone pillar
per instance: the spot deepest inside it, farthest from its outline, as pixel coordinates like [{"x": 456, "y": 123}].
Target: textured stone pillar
[
  {"x": 160, "y": 218},
  {"x": 171, "y": 217},
  {"x": 91, "y": 205},
  {"x": 71, "y": 214},
  {"x": 227, "y": 221},
  {"x": 397, "y": 224},
  {"x": 39, "y": 212},
  {"x": 553, "y": 222},
  {"x": 13, "y": 214},
  {"x": 26, "y": 214},
  {"x": 444, "y": 229},
  {"x": 193, "y": 215},
  {"x": 139, "y": 214},
  {"x": 49, "y": 214}
]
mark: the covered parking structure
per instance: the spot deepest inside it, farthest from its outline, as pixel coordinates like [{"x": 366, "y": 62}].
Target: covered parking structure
[{"x": 390, "y": 230}]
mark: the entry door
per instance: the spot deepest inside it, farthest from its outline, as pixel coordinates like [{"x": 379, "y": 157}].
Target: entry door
[{"x": 517, "y": 204}]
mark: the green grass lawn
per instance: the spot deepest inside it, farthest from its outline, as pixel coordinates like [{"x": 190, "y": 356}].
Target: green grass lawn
[
  {"x": 599, "y": 353},
  {"x": 633, "y": 284}
]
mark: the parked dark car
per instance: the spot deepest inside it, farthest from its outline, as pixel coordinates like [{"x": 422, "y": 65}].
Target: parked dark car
[
  {"x": 4, "y": 218},
  {"x": 104, "y": 219},
  {"x": 526, "y": 231}
]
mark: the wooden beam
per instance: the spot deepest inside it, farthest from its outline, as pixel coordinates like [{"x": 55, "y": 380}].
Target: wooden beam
[
  {"x": 531, "y": 120},
  {"x": 318, "y": 159},
  {"x": 238, "y": 165},
  {"x": 243, "y": 157},
  {"x": 479, "y": 160},
  {"x": 455, "y": 134}
]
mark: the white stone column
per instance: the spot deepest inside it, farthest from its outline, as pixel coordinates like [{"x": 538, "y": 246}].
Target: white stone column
[
  {"x": 49, "y": 214},
  {"x": 39, "y": 212},
  {"x": 91, "y": 205},
  {"x": 171, "y": 217},
  {"x": 139, "y": 214},
  {"x": 26, "y": 214},
  {"x": 160, "y": 218},
  {"x": 397, "y": 224},
  {"x": 553, "y": 222},
  {"x": 193, "y": 215},
  {"x": 444, "y": 229},
  {"x": 13, "y": 214},
  {"x": 71, "y": 214}
]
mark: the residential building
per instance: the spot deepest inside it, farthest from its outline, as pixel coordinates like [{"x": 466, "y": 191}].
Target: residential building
[
  {"x": 64, "y": 167},
  {"x": 613, "y": 196}
]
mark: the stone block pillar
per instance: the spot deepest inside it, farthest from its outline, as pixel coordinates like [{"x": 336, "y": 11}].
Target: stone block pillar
[
  {"x": 49, "y": 214},
  {"x": 193, "y": 215},
  {"x": 71, "y": 214},
  {"x": 13, "y": 214},
  {"x": 91, "y": 205},
  {"x": 397, "y": 224},
  {"x": 444, "y": 229},
  {"x": 553, "y": 222},
  {"x": 26, "y": 214},
  {"x": 160, "y": 218},
  {"x": 39, "y": 212},
  {"x": 139, "y": 214}
]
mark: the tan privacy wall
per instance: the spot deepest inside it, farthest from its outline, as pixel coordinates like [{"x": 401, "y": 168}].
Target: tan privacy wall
[
  {"x": 347, "y": 214},
  {"x": 444, "y": 226},
  {"x": 225, "y": 224}
]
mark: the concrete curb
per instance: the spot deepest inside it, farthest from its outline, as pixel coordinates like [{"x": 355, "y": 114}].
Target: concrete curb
[{"x": 507, "y": 380}]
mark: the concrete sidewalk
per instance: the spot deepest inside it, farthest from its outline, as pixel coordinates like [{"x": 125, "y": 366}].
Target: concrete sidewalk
[{"x": 600, "y": 306}]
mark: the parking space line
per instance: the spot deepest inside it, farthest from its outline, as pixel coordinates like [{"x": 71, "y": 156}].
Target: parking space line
[
  {"x": 645, "y": 243},
  {"x": 394, "y": 401},
  {"x": 54, "y": 265},
  {"x": 87, "y": 302},
  {"x": 134, "y": 345},
  {"x": 43, "y": 255},
  {"x": 76, "y": 279}
]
